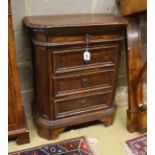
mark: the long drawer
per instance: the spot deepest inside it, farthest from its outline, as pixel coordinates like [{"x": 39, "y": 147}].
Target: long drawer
[
  {"x": 79, "y": 82},
  {"x": 66, "y": 60},
  {"x": 98, "y": 36},
  {"x": 71, "y": 106},
  {"x": 81, "y": 36}
]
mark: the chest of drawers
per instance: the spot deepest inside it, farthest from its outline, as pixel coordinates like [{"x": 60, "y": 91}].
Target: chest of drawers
[{"x": 76, "y": 60}]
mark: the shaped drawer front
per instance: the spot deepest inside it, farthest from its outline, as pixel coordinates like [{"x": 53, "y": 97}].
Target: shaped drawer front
[
  {"x": 82, "y": 37},
  {"x": 73, "y": 59},
  {"x": 79, "y": 36},
  {"x": 85, "y": 81},
  {"x": 79, "y": 105}
]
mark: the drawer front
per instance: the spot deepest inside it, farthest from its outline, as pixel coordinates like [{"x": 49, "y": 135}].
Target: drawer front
[
  {"x": 83, "y": 37},
  {"x": 69, "y": 59},
  {"x": 82, "y": 104},
  {"x": 79, "y": 35},
  {"x": 85, "y": 81}
]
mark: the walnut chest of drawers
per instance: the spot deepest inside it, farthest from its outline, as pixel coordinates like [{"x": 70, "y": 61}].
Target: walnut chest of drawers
[{"x": 76, "y": 59}]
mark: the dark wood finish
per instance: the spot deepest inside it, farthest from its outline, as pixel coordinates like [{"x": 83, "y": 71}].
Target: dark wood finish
[
  {"x": 83, "y": 81},
  {"x": 16, "y": 118},
  {"x": 70, "y": 89},
  {"x": 130, "y": 7},
  {"x": 99, "y": 55},
  {"x": 107, "y": 120},
  {"x": 137, "y": 110},
  {"x": 70, "y": 21}
]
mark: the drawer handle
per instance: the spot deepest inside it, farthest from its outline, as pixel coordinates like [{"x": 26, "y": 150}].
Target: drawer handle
[
  {"x": 87, "y": 38},
  {"x": 86, "y": 54},
  {"x": 83, "y": 102},
  {"x": 84, "y": 83}
]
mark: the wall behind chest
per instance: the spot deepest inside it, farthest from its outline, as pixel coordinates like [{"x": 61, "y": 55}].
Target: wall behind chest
[{"x": 22, "y": 8}]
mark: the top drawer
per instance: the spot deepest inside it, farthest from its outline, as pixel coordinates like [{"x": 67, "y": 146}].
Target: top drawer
[
  {"x": 66, "y": 36},
  {"x": 60, "y": 39},
  {"x": 67, "y": 60}
]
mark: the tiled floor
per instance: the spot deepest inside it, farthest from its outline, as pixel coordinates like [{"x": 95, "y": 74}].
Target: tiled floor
[{"x": 109, "y": 140}]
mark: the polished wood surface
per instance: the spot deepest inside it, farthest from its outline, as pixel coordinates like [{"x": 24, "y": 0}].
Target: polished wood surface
[
  {"x": 60, "y": 21},
  {"x": 137, "y": 110},
  {"x": 130, "y": 7},
  {"x": 16, "y": 120},
  {"x": 70, "y": 89}
]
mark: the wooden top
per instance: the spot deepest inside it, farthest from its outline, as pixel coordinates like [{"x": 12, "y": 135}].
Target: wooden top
[
  {"x": 129, "y": 7},
  {"x": 55, "y": 21}
]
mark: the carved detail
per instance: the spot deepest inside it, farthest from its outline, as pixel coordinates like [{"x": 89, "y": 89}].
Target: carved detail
[{"x": 135, "y": 74}]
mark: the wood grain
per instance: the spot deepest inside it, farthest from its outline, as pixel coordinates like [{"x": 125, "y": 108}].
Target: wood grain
[
  {"x": 137, "y": 110},
  {"x": 130, "y": 7},
  {"x": 70, "y": 90},
  {"x": 17, "y": 127}
]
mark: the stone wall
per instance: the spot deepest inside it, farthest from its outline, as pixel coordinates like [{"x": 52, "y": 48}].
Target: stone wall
[{"x": 22, "y": 8}]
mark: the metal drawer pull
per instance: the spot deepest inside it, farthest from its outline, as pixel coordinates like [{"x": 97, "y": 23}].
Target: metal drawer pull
[
  {"x": 84, "y": 83},
  {"x": 83, "y": 103},
  {"x": 87, "y": 54},
  {"x": 87, "y": 38}
]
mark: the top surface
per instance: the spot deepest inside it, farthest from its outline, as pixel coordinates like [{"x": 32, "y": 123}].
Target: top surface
[{"x": 55, "y": 21}]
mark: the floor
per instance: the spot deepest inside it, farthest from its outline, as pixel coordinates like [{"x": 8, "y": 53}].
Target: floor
[{"x": 104, "y": 140}]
